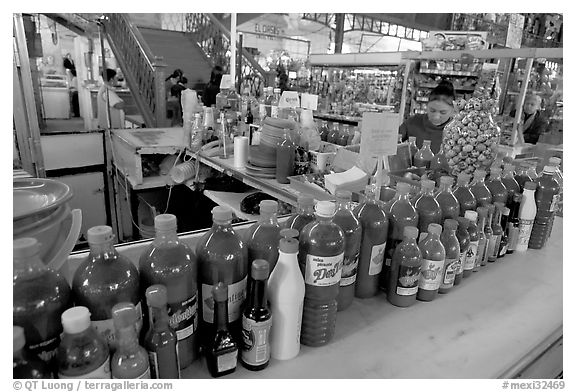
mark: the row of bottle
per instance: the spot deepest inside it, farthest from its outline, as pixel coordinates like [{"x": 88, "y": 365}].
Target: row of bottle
[{"x": 335, "y": 135}]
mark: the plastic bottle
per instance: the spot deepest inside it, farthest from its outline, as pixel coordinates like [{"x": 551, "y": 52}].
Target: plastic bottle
[
  {"x": 285, "y": 155},
  {"x": 424, "y": 156},
  {"x": 433, "y": 259},
  {"x": 514, "y": 223},
  {"x": 472, "y": 252},
  {"x": 324, "y": 131},
  {"x": 503, "y": 248},
  {"x": 222, "y": 99},
  {"x": 510, "y": 182},
  {"x": 464, "y": 242},
  {"x": 405, "y": 270},
  {"x": 222, "y": 349},
  {"x": 496, "y": 187},
  {"x": 439, "y": 162},
  {"x": 491, "y": 237},
  {"x": 344, "y": 135},
  {"x": 26, "y": 365},
  {"x": 160, "y": 340},
  {"x": 464, "y": 195},
  {"x": 274, "y": 102},
  {"x": 522, "y": 175},
  {"x": 286, "y": 297},
  {"x": 171, "y": 263},
  {"x": 104, "y": 279},
  {"x": 448, "y": 202},
  {"x": 303, "y": 216},
  {"x": 222, "y": 257},
  {"x": 526, "y": 215},
  {"x": 429, "y": 211},
  {"x": 39, "y": 297},
  {"x": 452, "y": 247},
  {"x": 350, "y": 225},
  {"x": 555, "y": 163},
  {"x": 83, "y": 352},
  {"x": 262, "y": 106},
  {"x": 334, "y": 133},
  {"x": 256, "y": 320},
  {"x": 547, "y": 197},
  {"x": 263, "y": 236},
  {"x": 321, "y": 256},
  {"x": 413, "y": 148},
  {"x": 480, "y": 190},
  {"x": 387, "y": 193},
  {"x": 197, "y": 133},
  {"x": 130, "y": 360},
  {"x": 496, "y": 230},
  {"x": 481, "y": 256},
  {"x": 374, "y": 231}
]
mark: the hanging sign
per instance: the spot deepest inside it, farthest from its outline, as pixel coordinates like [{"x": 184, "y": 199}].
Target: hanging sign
[
  {"x": 379, "y": 134},
  {"x": 309, "y": 101},
  {"x": 289, "y": 99}
]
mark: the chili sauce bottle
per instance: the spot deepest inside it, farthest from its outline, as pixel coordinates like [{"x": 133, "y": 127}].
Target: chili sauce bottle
[
  {"x": 464, "y": 242},
  {"x": 513, "y": 222},
  {"x": 503, "y": 248},
  {"x": 433, "y": 259},
  {"x": 24, "y": 363},
  {"x": 405, "y": 270},
  {"x": 130, "y": 360},
  {"x": 496, "y": 187},
  {"x": 497, "y": 229},
  {"x": 483, "y": 238},
  {"x": 464, "y": 195},
  {"x": 472, "y": 252},
  {"x": 522, "y": 176},
  {"x": 452, "y": 247},
  {"x": 479, "y": 189},
  {"x": 222, "y": 349},
  {"x": 263, "y": 236},
  {"x": 490, "y": 236},
  {"x": 424, "y": 156},
  {"x": 429, "y": 211},
  {"x": 304, "y": 215},
  {"x": 448, "y": 202},
  {"x": 510, "y": 182}
]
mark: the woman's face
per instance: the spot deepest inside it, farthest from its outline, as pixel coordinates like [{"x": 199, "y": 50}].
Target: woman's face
[
  {"x": 531, "y": 105},
  {"x": 439, "y": 112}
]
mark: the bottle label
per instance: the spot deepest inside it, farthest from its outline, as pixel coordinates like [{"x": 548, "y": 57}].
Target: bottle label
[
  {"x": 143, "y": 376},
  {"x": 103, "y": 371},
  {"x": 349, "y": 270},
  {"x": 274, "y": 112},
  {"x": 183, "y": 317},
  {"x": 554, "y": 203},
  {"x": 431, "y": 274},
  {"x": 256, "y": 341},
  {"x": 490, "y": 247},
  {"x": 154, "y": 367},
  {"x": 471, "y": 255},
  {"x": 497, "y": 239},
  {"x": 377, "y": 259},
  {"x": 262, "y": 110},
  {"x": 460, "y": 263},
  {"x": 480, "y": 253},
  {"x": 450, "y": 271},
  {"x": 524, "y": 231},
  {"x": 236, "y": 296},
  {"x": 407, "y": 280},
  {"x": 323, "y": 271},
  {"x": 106, "y": 328},
  {"x": 227, "y": 361},
  {"x": 47, "y": 349}
]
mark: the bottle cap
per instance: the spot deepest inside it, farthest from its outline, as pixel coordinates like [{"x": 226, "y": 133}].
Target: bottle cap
[
  {"x": 18, "y": 338},
  {"x": 157, "y": 296},
  {"x": 530, "y": 185},
  {"x": 427, "y": 185},
  {"x": 25, "y": 247},
  {"x": 289, "y": 245},
  {"x": 480, "y": 173},
  {"x": 344, "y": 194},
  {"x": 276, "y": 90},
  {"x": 446, "y": 180},
  {"x": 411, "y": 232},
  {"x": 325, "y": 208},
  {"x": 482, "y": 212},
  {"x": 411, "y": 138},
  {"x": 506, "y": 211},
  {"x": 268, "y": 207},
  {"x": 471, "y": 215},
  {"x": 403, "y": 187},
  {"x": 220, "y": 292},
  {"x": 260, "y": 269},
  {"x": 434, "y": 228},
  {"x": 426, "y": 142},
  {"x": 306, "y": 201},
  {"x": 76, "y": 320},
  {"x": 463, "y": 178},
  {"x": 124, "y": 315},
  {"x": 289, "y": 233},
  {"x": 463, "y": 222},
  {"x": 100, "y": 235},
  {"x": 554, "y": 161},
  {"x": 165, "y": 222},
  {"x": 221, "y": 214},
  {"x": 548, "y": 169},
  {"x": 499, "y": 205},
  {"x": 450, "y": 224}
]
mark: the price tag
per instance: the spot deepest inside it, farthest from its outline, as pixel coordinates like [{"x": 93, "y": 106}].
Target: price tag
[
  {"x": 289, "y": 99},
  {"x": 379, "y": 134},
  {"x": 309, "y": 101}
]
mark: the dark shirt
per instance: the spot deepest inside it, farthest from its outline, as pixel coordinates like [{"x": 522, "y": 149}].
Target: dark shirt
[
  {"x": 538, "y": 126},
  {"x": 209, "y": 94},
  {"x": 420, "y": 127}
]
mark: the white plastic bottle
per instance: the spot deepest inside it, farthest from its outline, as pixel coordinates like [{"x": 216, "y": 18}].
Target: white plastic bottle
[
  {"x": 286, "y": 297},
  {"x": 526, "y": 215}
]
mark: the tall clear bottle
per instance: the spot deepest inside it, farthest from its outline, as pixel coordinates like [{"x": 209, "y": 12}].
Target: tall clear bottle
[
  {"x": 321, "y": 256},
  {"x": 504, "y": 241},
  {"x": 464, "y": 242},
  {"x": 263, "y": 236},
  {"x": 429, "y": 211},
  {"x": 448, "y": 202},
  {"x": 497, "y": 229},
  {"x": 405, "y": 270},
  {"x": 274, "y": 102},
  {"x": 262, "y": 105},
  {"x": 104, "y": 279},
  {"x": 452, "y": 247},
  {"x": 472, "y": 252},
  {"x": 480, "y": 190},
  {"x": 304, "y": 214},
  {"x": 39, "y": 297},
  {"x": 222, "y": 257},
  {"x": 285, "y": 158},
  {"x": 510, "y": 182},
  {"x": 222, "y": 347},
  {"x": 26, "y": 365},
  {"x": 375, "y": 225},
  {"x": 433, "y": 259},
  {"x": 481, "y": 257},
  {"x": 350, "y": 225},
  {"x": 130, "y": 360},
  {"x": 171, "y": 263},
  {"x": 514, "y": 223},
  {"x": 491, "y": 238},
  {"x": 464, "y": 195},
  {"x": 439, "y": 162},
  {"x": 424, "y": 156},
  {"x": 496, "y": 187}
]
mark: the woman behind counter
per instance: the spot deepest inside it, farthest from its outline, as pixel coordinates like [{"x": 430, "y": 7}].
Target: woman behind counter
[{"x": 430, "y": 126}]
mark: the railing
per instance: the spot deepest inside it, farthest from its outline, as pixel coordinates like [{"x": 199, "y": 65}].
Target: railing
[{"x": 144, "y": 72}]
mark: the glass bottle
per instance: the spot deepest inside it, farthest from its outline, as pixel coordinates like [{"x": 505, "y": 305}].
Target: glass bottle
[
  {"x": 303, "y": 216},
  {"x": 452, "y": 247},
  {"x": 344, "y": 135},
  {"x": 464, "y": 195},
  {"x": 522, "y": 175},
  {"x": 464, "y": 242},
  {"x": 478, "y": 187},
  {"x": 208, "y": 125},
  {"x": 472, "y": 252},
  {"x": 496, "y": 187},
  {"x": 429, "y": 211},
  {"x": 503, "y": 248},
  {"x": 424, "y": 156},
  {"x": 268, "y": 101},
  {"x": 555, "y": 162},
  {"x": 26, "y": 365},
  {"x": 104, "y": 279},
  {"x": 169, "y": 262},
  {"x": 413, "y": 148},
  {"x": 256, "y": 320},
  {"x": 547, "y": 197},
  {"x": 405, "y": 270},
  {"x": 222, "y": 349},
  {"x": 263, "y": 236},
  {"x": 433, "y": 259},
  {"x": 387, "y": 193},
  {"x": 490, "y": 236},
  {"x": 510, "y": 182},
  {"x": 222, "y": 99},
  {"x": 197, "y": 133},
  {"x": 285, "y": 156},
  {"x": 374, "y": 233},
  {"x": 513, "y": 223},
  {"x": 130, "y": 360},
  {"x": 448, "y": 202},
  {"x": 496, "y": 230},
  {"x": 324, "y": 131},
  {"x": 439, "y": 161},
  {"x": 482, "y": 238},
  {"x": 526, "y": 215},
  {"x": 350, "y": 225},
  {"x": 274, "y": 102},
  {"x": 334, "y": 133}
]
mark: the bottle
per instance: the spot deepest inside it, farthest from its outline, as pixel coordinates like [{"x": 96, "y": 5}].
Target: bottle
[
  {"x": 503, "y": 248},
  {"x": 130, "y": 360},
  {"x": 197, "y": 133},
  {"x": 510, "y": 182},
  {"x": 24, "y": 363},
  {"x": 374, "y": 231},
  {"x": 286, "y": 297},
  {"x": 413, "y": 148},
  {"x": 263, "y": 236},
  {"x": 334, "y": 133},
  {"x": 171, "y": 263},
  {"x": 303, "y": 216},
  {"x": 497, "y": 230},
  {"x": 405, "y": 270},
  {"x": 39, "y": 297},
  {"x": 480, "y": 190},
  {"x": 526, "y": 215},
  {"x": 350, "y": 225},
  {"x": 472, "y": 252},
  {"x": 522, "y": 175},
  {"x": 104, "y": 279},
  {"x": 452, "y": 247},
  {"x": 464, "y": 195},
  {"x": 262, "y": 105},
  {"x": 491, "y": 237},
  {"x": 285, "y": 156},
  {"x": 387, "y": 193},
  {"x": 222, "y": 257},
  {"x": 514, "y": 223},
  {"x": 439, "y": 162},
  {"x": 321, "y": 255},
  {"x": 424, "y": 156},
  {"x": 555, "y": 162},
  {"x": 83, "y": 352},
  {"x": 481, "y": 256},
  {"x": 546, "y": 197},
  {"x": 208, "y": 125},
  {"x": 269, "y": 97},
  {"x": 274, "y": 102},
  {"x": 160, "y": 340},
  {"x": 256, "y": 320},
  {"x": 496, "y": 187},
  {"x": 344, "y": 135},
  {"x": 429, "y": 211},
  {"x": 448, "y": 202},
  {"x": 433, "y": 259},
  {"x": 464, "y": 242},
  {"x": 221, "y": 350},
  {"x": 352, "y": 135}
]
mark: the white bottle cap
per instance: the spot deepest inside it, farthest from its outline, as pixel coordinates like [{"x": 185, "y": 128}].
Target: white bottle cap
[
  {"x": 325, "y": 208},
  {"x": 19, "y": 340},
  {"x": 100, "y": 235},
  {"x": 276, "y": 90},
  {"x": 76, "y": 320},
  {"x": 471, "y": 215},
  {"x": 165, "y": 222},
  {"x": 25, "y": 247}
]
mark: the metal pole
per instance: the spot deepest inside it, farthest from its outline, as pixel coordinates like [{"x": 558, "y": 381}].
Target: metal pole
[
  {"x": 239, "y": 66},
  {"x": 404, "y": 90},
  {"x": 339, "y": 33},
  {"x": 233, "y": 47},
  {"x": 520, "y": 102}
]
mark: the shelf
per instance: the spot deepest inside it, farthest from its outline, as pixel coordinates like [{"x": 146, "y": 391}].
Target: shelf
[
  {"x": 426, "y": 85},
  {"x": 232, "y": 200},
  {"x": 336, "y": 117},
  {"x": 447, "y": 72}
]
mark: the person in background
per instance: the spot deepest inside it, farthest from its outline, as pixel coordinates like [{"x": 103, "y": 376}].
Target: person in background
[
  {"x": 213, "y": 87},
  {"x": 176, "y": 95},
  {"x": 110, "y": 102},
  {"x": 283, "y": 83},
  {"x": 430, "y": 126},
  {"x": 172, "y": 102},
  {"x": 533, "y": 120}
]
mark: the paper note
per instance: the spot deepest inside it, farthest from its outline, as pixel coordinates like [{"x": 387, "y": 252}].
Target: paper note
[
  {"x": 289, "y": 99},
  {"x": 379, "y": 134},
  {"x": 309, "y": 101}
]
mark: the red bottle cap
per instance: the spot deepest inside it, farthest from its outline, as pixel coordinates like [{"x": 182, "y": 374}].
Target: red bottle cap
[
  {"x": 463, "y": 178},
  {"x": 548, "y": 170},
  {"x": 403, "y": 187},
  {"x": 446, "y": 180},
  {"x": 411, "y": 232},
  {"x": 499, "y": 205},
  {"x": 220, "y": 292},
  {"x": 427, "y": 185},
  {"x": 157, "y": 296},
  {"x": 325, "y": 208},
  {"x": 530, "y": 185},
  {"x": 482, "y": 211},
  {"x": 221, "y": 214},
  {"x": 434, "y": 228},
  {"x": 480, "y": 173},
  {"x": 495, "y": 170},
  {"x": 260, "y": 269},
  {"x": 450, "y": 224}
]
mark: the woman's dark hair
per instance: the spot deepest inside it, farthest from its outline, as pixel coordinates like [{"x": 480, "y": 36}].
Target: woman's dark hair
[
  {"x": 109, "y": 74},
  {"x": 216, "y": 75},
  {"x": 177, "y": 74},
  {"x": 443, "y": 92}
]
